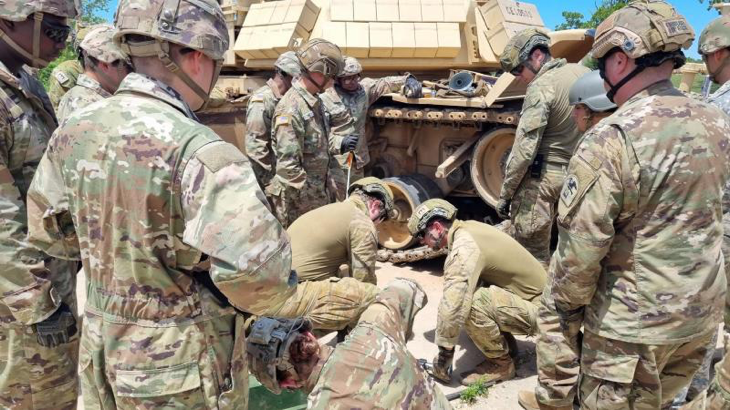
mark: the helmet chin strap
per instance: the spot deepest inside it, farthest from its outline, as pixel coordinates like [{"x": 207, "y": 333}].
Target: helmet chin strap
[
  {"x": 34, "y": 58},
  {"x": 611, "y": 94},
  {"x": 720, "y": 69},
  {"x": 320, "y": 87}
]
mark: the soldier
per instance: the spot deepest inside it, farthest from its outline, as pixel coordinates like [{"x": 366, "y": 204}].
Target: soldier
[
  {"x": 372, "y": 369},
  {"x": 357, "y": 96},
  {"x": 38, "y": 335},
  {"x": 105, "y": 66},
  {"x": 259, "y": 113},
  {"x": 342, "y": 233},
  {"x": 299, "y": 136},
  {"x": 714, "y": 47},
  {"x": 638, "y": 262},
  {"x": 506, "y": 302},
  {"x": 558, "y": 356},
  {"x": 545, "y": 140},
  {"x": 143, "y": 199},
  {"x": 64, "y": 76}
]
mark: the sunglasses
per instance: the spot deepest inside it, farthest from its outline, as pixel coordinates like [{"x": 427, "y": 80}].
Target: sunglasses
[
  {"x": 58, "y": 32},
  {"x": 517, "y": 71}
]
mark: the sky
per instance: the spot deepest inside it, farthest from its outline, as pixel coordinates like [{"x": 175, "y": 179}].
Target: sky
[{"x": 697, "y": 13}]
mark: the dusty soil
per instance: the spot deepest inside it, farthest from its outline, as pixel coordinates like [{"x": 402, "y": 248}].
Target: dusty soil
[{"x": 503, "y": 396}]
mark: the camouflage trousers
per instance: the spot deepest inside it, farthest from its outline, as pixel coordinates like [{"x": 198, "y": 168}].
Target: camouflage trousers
[
  {"x": 289, "y": 204},
  {"x": 701, "y": 380},
  {"x": 180, "y": 363},
  {"x": 33, "y": 376},
  {"x": 558, "y": 355},
  {"x": 533, "y": 210},
  {"x": 493, "y": 311},
  {"x": 622, "y": 375},
  {"x": 331, "y": 304},
  {"x": 719, "y": 395},
  {"x": 339, "y": 179}
]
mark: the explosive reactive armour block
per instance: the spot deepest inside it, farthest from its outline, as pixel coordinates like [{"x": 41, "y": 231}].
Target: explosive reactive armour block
[
  {"x": 449, "y": 40},
  {"x": 426, "y": 40},
  {"x": 409, "y": 10},
  {"x": 358, "y": 39},
  {"x": 432, "y": 10},
  {"x": 381, "y": 40},
  {"x": 341, "y": 10},
  {"x": 386, "y": 10},
  {"x": 404, "y": 40},
  {"x": 364, "y": 10}
]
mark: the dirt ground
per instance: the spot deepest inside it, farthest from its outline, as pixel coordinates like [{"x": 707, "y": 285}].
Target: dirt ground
[{"x": 503, "y": 396}]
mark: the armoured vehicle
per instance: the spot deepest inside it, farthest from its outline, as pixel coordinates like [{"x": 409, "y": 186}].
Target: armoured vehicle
[{"x": 452, "y": 142}]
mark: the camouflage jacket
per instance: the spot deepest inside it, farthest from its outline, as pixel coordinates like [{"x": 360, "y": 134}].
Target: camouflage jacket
[
  {"x": 358, "y": 103},
  {"x": 639, "y": 219},
  {"x": 300, "y": 143},
  {"x": 29, "y": 291},
  {"x": 480, "y": 252},
  {"x": 721, "y": 99},
  {"x": 546, "y": 126},
  {"x": 141, "y": 200},
  {"x": 62, "y": 79},
  {"x": 86, "y": 91},
  {"x": 372, "y": 368},
  {"x": 333, "y": 235},
  {"x": 259, "y": 114}
]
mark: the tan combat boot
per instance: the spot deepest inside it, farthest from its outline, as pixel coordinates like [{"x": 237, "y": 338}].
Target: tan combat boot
[
  {"x": 491, "y": 371},
  {"x": 528, "y": 400}
]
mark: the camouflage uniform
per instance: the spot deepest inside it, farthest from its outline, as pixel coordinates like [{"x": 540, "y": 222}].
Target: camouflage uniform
[
  {"x": 357, "y": 104},
  {"x": 511, "y": 283},
  {"x": 372, "y": 368},
  {"x": 259, "y": 113},
  {"x": 546, "y": 129},
  {"x": 142, "y": 199},
  {"x": 630, "y": 227},
  {"x": 86, "y": 92},
  {"x": 299, "y": 140},
  {"x": 99, "y": 45},
  {"x": 62, "y": 79},
  {"x": 334, "y": 235},
  {"x": 715, "y": 37},
  {"x": 33, "y": 285},
  {"x": 33, "y": 376}
]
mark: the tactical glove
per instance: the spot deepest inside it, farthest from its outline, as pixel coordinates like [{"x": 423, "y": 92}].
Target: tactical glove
[
  {"x": 412, "y": 87},
  {"x": 349, "y": 144},
  {"x": 58, "y": 328},
  {"x": 570, "y": 321},
  {"x": 503, "y": 208},
  {"x": 442, "y": 364}
]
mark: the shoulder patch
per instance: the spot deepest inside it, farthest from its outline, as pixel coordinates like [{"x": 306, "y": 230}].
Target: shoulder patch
[
  {"x": 218, "y": 156},
  {"x": 257, "y": 98},
  {"x": 282, "y": 120},
  {"x": 61, "y": 77}
]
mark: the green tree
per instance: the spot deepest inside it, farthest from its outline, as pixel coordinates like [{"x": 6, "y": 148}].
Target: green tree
[
  {"x": 91, "y": 13},
  {"x": 577, "y": 20}
]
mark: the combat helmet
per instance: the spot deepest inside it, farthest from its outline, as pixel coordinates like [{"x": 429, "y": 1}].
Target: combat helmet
[
  {"x": 352, "y": 67},
  {"x": 20, "y": 10},
  {"x": 588, "y": 90},
  {"x": 518, "y": 48},
  {"x": 267, "y": 348},
  {"x": 716, "y": 36},
  {"x": 320, "y": 56},
  {"x": 78, "y": 35},
  {"x": 375, "y": 186},
  {"x": 649, "y": 31},
  {"x": 288, "y": 64},
  {"x": 428, "y": 210},
  {"x": 98, "y": 43},
  {"x": 194, "y": 24}
]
